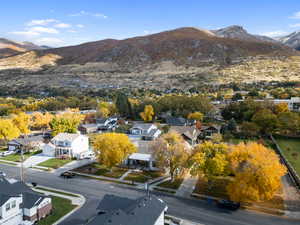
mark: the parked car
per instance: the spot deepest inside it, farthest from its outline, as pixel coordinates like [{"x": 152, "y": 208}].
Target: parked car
[
  {"x": 227, "y": 204},
  {"x": 67, "y": 175},
  {"x": 7, "y": 153},
  {"x": 2, "y": 174}
]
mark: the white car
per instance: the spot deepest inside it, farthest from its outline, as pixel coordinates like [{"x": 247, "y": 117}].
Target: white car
[{"x": 7, "y": 153}]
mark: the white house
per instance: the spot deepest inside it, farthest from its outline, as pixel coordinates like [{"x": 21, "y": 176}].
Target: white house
[
  {"x": 19, "y": 203},
  {"x": 146, "y": 131},
  {"x": 69, "y": 145}
]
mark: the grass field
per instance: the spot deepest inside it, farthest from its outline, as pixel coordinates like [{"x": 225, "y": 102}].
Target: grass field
[
  {"x": 173, "y": 185},
  {"x": 142, "y": 176},
  {"x": 291, "y": 151},
  {"x": 17, "y": 157},
  {"x": 55, "y": 163},
  {"x": 61, "y": 207},
  {"x": 101, "y": 170}
]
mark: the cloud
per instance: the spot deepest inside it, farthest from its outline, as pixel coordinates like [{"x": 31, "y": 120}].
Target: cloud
[
  {"x": 72, "y": 31},
  {"x": 48, "y": 30},
  {"x": 80, "y": 26},
  {"x": 296, "y": 15},
  {"x": 41, "y": 22},
  {"x": 28, "y": 34},
  {"x": 49, "y": 41},
  {"x": 85, "y": 13},
  {"x": 274, "y": 33},
  {"x": 295, "y": 25},
  {"x": 62, "y": 25}
]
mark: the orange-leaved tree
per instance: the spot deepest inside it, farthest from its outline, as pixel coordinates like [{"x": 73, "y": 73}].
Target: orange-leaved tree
[{"x": 257, "y": 173}]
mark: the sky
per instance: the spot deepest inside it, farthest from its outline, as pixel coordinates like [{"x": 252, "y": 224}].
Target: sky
[{"x": 69, "y": 22}]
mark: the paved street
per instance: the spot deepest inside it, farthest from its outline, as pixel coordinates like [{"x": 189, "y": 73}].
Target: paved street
[{"x": 197, "y": 211}]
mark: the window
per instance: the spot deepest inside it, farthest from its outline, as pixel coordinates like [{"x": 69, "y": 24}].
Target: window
[
  {"x": 7, "y": 206},
  {"x": 13, "y": 204}
]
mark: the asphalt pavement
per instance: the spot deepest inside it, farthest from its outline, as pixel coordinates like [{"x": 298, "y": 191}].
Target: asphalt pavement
[{"x": 197, "y": 211}]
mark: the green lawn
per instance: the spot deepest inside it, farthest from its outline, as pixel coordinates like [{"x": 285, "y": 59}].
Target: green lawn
[
  {"x": 291, "y": 151},
  {"x": 61, "y": 207},
  {"x": 142, "y": 176},
  {"x": 101, "y": 170},
  {"x": 17, "y": 157},
  {"x": 55, "y": 163},
  {"x": 172, "y": 185}
]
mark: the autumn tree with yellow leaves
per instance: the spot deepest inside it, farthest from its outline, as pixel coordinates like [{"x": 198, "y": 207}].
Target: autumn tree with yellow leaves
[
  {"x": 8, "y": 130},
  {"x": 196, "y": 116},
  {"x": 171, "y": 153},
  {"x": 209, "y": 159},
  {"x": 40, "y": 120},
  {"x": 257, "y": 173},
  {"x": 22, "y": 121},
  {"x": 148, "y": 113},
  {"x": 106, "y": 109},
  {"x": 113, "y": 148}
]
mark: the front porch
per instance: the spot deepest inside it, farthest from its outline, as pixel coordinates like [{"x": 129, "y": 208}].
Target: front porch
[
  {"x": 63, "y": 152},
  {"x": 141, "y": 161}
]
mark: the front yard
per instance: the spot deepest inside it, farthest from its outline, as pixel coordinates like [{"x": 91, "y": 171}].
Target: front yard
[
  {"x": 291, "y": 151},
  {"x": 217, "y": 188},
  {"x": 142, "y": 176},
  {"x": 61, "y": 207},
  {"x": 17, "y": 157},
  {"x": 101, "y": 170},
  {"x": 55, "y": 163},
  {"x": 172, "y": 185}
]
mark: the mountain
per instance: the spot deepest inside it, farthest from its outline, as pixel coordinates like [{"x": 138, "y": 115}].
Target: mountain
[
  {"x": 182, "y": 58},
  {"x": 292, "y": 40},
  {"x": 184, "y": 46},
  {"x": 9, "y": 48},
  {"x": 238, "y": 32}
]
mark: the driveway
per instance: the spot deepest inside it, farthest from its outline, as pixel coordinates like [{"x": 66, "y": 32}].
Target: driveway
[
  {"x": 73, "y": 165},
  {"x": 35, "y": 160}
]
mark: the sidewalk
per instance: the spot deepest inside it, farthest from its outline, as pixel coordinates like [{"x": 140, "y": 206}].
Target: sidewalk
[
  {"x": 291, "y": 198},
  {"x": 187, "y": 186}
]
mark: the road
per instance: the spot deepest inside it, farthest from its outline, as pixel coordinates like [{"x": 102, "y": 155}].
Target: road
[{"x": 197, "y": 211}]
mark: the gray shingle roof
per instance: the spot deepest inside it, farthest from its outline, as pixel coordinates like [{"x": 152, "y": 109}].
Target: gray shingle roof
[
  {"x": 12, "y": 189},
  {"x": 66, "y": 137},
  {"x": 123, "y": 211}
]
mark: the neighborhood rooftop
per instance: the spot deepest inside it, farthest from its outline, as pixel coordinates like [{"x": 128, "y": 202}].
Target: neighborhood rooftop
[{"x": 66, "y": 137}]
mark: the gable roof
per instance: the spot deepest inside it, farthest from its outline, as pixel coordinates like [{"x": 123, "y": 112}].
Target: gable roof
[
  {"x": 124, "y": 211},
  {"x": 10, "y": 189},
  {"x": 189, "y": 132},
  {"x": 26, "y": 140},
  {"x": 66, "y": 137}
]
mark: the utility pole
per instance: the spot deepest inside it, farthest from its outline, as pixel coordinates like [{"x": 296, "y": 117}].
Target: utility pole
[{"x": 22, "y": 167}]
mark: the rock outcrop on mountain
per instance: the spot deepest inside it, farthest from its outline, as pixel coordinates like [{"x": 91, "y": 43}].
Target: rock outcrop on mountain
[
  {"x": 238, "y": 32},
  {"x": 292, "y": 40}
]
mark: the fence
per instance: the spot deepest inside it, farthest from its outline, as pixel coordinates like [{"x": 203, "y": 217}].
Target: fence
[{"x": 292, "y": 173}]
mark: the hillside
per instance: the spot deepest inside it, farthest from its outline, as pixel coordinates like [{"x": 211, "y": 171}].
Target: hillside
[
  {"x": 292, "y": 40},
  {"x": 182, "y": 58},
  {"x": 10, "y": 48}
]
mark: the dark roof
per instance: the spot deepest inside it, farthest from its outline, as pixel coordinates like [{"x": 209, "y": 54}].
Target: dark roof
[
  {"x": 124, "y": 211},
  {"x": 26, "y": 140},
  {"x": 190, "y": 132},
  {"x": 178, "y": 121},
  {"x": 16, "y": 188}
]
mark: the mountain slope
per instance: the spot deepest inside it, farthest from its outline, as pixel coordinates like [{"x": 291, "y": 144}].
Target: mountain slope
[
  {"x": 184, "y": 46},
  {"x": 9, "y": 48},
  {"x": 181, "y": 58},
  {"x": 292, "y": 40},
  {"x": 238, "y": 32}
]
